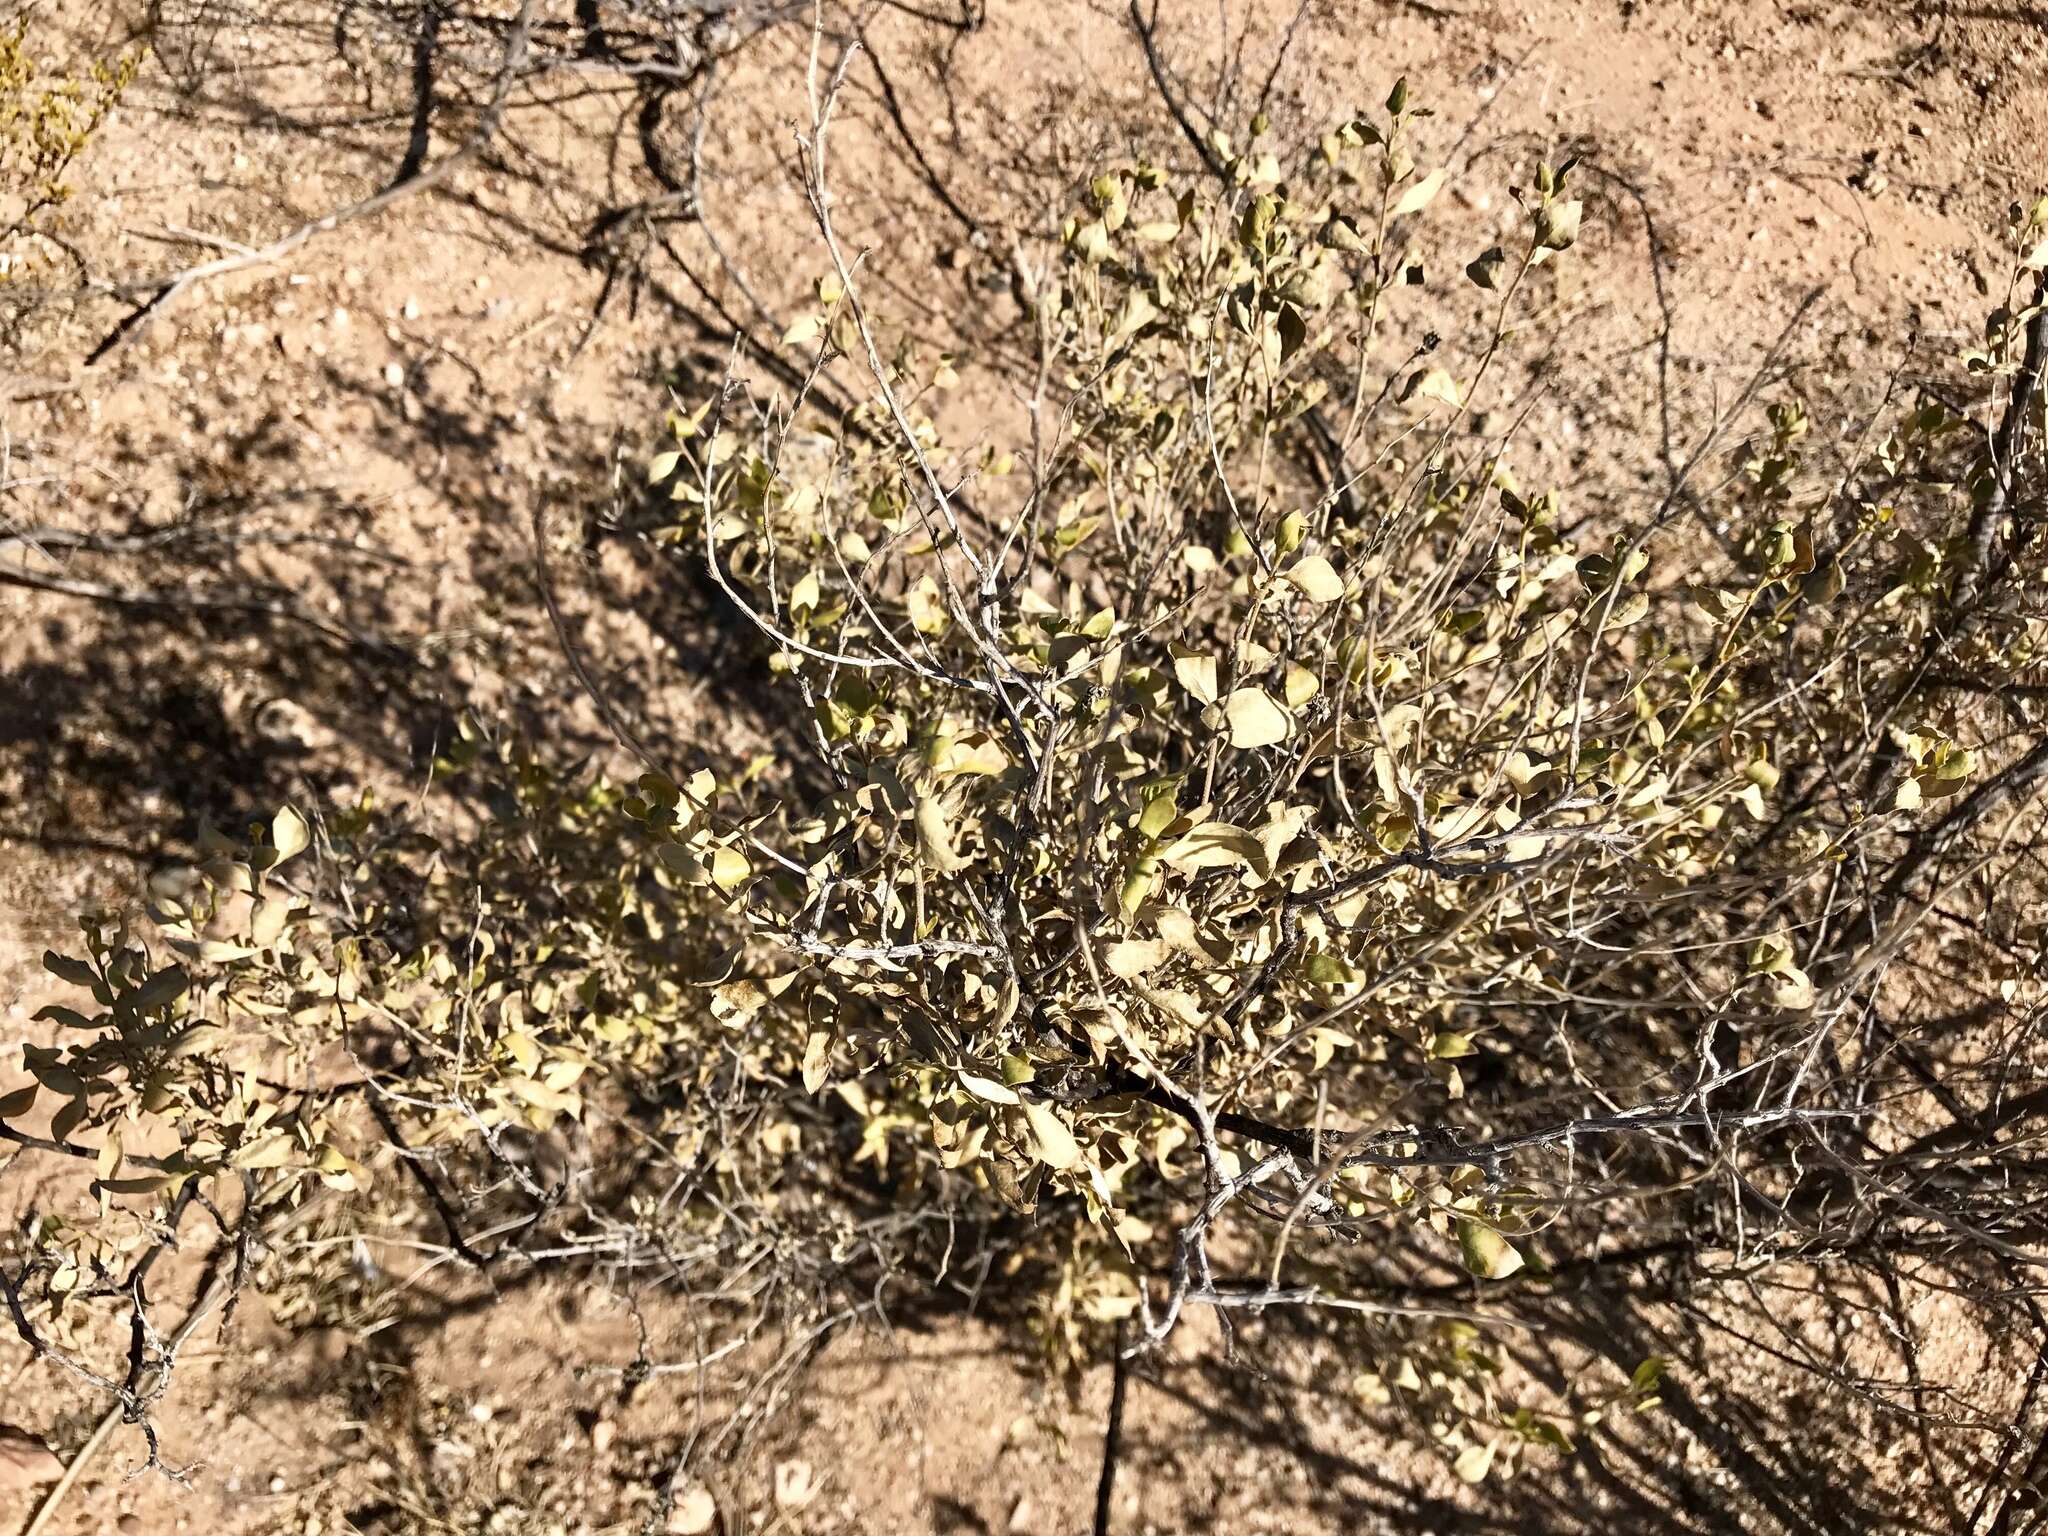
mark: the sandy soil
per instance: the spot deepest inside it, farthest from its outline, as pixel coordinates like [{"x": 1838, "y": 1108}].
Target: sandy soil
[{"x": 387, "y": 412}]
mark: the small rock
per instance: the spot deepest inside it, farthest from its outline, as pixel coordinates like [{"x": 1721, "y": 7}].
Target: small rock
[
  {"x": 129, "y": 1525},
  {"x": 602, "y": 1434},
  {"x": 25, "y": 1461},
  {"x": 394, "y": 374},
  {"x": 289, "y": 723},
  {"x": 693, "y": 1513}
]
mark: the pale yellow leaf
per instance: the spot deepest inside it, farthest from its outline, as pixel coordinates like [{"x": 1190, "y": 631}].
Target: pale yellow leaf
[
  {"x": 1196, "y": 672},
  {"x": 1439, "y": 384},
  {"x": 935, "y": 838},
  {"x": 729, "y": 869},
  {"x": 1418, "y": 196},
  {"x": 988, "y": 1088},
  {"x": 1051, "y": 1139},
  {"x": 1317, "y": 579},
  {"x": 1474, "y": 1462},
  {"x": 1255, "y": 719},
  {"x": 1133, "y": 957},
  {"x": 1487, "y": 1254},
  {"x": 289, "y": 833}
]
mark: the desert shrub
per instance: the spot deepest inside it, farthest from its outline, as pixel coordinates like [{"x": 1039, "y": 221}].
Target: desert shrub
[{"x": 1256, "y": 832}]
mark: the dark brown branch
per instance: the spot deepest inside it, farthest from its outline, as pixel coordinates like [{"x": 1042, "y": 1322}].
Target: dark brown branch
[
  {"x": 1148, "y": 36},
  {"x": 2006, "y": 450},
  {"x": 1112, "y": 1436},
  {"x": 450, "y": 1222}
]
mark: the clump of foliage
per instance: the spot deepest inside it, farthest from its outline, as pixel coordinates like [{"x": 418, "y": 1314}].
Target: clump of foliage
[
  {"x": 1241, "y": 794},
  {"x": 47, "y": 117}
]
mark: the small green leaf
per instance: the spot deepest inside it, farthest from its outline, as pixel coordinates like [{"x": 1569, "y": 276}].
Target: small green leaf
[
  {"x": 729, "y": 869},
  {"x": 1293, "y": 331},
  {"x": 1158, "y": 814},
  {"x": 160, "y": 990},
  {"x": 1648, "y": 1376},
  {"x": 1557, "y": 225},
  {"x": 1485, "y": 268}
]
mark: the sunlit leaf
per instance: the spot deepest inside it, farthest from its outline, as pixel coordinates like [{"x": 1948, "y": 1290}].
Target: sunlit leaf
[
  {"x": 935, "y": 837},
  {"x": 289, "y": 833},
  {"x": 1050, "y": 1138},
  {"x": 1487, "y": 1254},
  {"x": 1196, "y": 672},
  {"x": 1316, "y": 578},
  {"x": 729, "y": 869},
  {"x": 1419, "y": 194},
  {"x": 1255, "y": 720}
]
